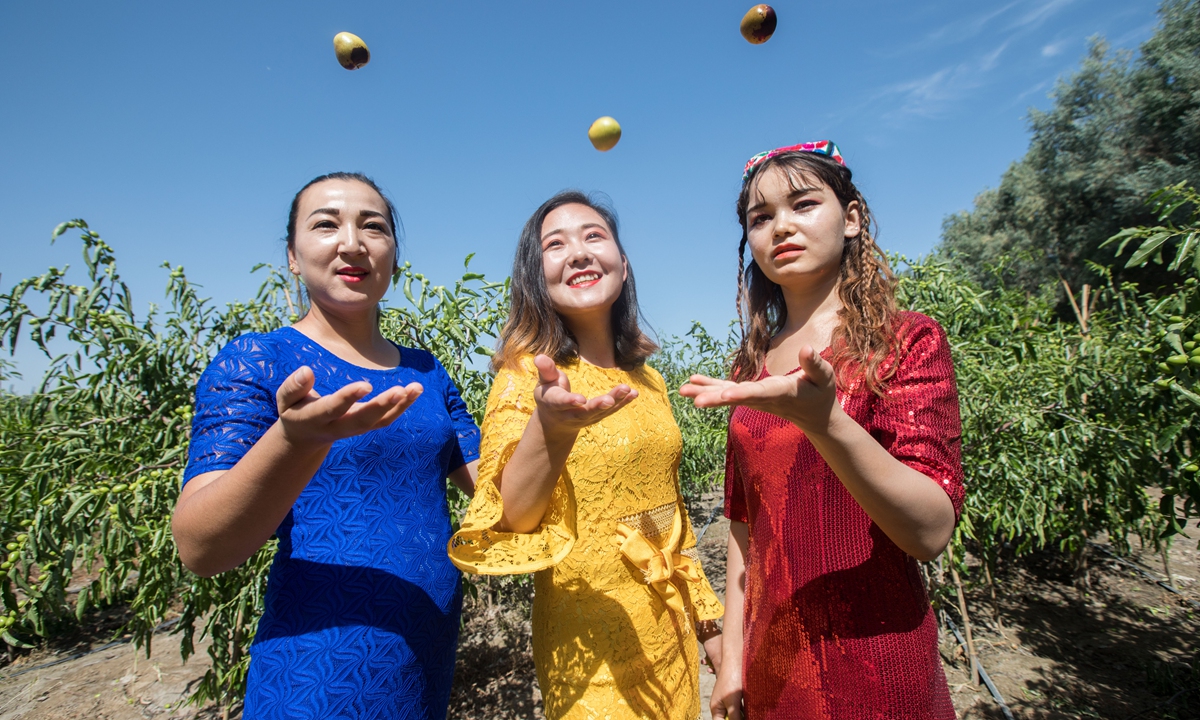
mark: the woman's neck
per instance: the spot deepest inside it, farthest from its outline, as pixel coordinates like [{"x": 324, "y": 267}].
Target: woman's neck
[
  {"x": 353, "y": 337},
  {"x": 595, "y": 340},
  {"x": 811, "y": 312}
]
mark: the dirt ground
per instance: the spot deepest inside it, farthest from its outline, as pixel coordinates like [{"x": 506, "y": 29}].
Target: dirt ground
[
  {"x": 1125, "y": 649},
  {"x": 113, "y": 684}
]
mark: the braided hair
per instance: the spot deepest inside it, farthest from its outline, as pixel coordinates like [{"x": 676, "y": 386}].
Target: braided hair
[{"x": 866, "y": 331}]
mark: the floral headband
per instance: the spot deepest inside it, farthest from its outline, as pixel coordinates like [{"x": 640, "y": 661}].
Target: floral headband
[{"x": 821, "y": 147}]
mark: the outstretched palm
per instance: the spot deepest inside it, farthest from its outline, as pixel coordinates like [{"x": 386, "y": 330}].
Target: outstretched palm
[
  {"x": 805, "y": 397},
  {"x": 308, "y": 417},
  {"x": 567, "y": 411}
]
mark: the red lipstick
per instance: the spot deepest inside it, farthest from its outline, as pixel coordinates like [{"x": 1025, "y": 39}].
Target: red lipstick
[
  {"x": 353, "y": 274},
  {"x": 786, "y": 250},
  {"x": 585, "y": 284}
]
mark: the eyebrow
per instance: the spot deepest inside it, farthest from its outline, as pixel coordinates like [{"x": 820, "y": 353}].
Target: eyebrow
[
  {"x": 585, "y": 226},
  {"x": 336, "y": 212},
  {"x": 795, "y": 193}
]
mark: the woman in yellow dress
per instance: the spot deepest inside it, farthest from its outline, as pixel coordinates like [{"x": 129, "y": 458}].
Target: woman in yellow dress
[{"x": 578, "y": 482}]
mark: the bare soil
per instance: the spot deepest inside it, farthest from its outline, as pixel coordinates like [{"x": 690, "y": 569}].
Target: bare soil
[
  {"x": 1123, "y": 648},
  {"x": 115, "y": 683}
]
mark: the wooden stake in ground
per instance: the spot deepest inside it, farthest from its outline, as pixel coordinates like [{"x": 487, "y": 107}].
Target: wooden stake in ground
[
  {"x": 962, "y": 609},
  {"x": 995, "y": 607},
  {"x": 1165, "y": 552}
]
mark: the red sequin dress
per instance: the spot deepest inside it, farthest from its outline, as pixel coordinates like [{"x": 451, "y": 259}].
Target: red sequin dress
[{"x": 838, "y": 625}]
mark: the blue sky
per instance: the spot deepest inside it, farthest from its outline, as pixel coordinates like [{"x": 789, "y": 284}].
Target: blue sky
[{"x": 181, "y": 131}]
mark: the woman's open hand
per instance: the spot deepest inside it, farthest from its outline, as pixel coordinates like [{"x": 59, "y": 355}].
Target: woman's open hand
[
  {"x": 307, "y": 417},
  {"x": 562, "y": 411},
  {"x": 713, "y": 646},
  {"x": 806, "y": 398},
  {"x": 726, "y": 700}
]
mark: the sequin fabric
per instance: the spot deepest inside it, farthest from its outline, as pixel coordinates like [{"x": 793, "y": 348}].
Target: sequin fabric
[
  {"x": 605, "y": 642},
  {"x": 361, "y": 613},
  {"x": 838, "y": 625}
]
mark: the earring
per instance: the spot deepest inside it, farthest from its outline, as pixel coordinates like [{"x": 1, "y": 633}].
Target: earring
[{"x": 293, "y": 270}]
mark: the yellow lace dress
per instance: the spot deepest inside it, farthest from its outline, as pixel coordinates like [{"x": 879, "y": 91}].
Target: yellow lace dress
[{"x": 618, "y": 585}]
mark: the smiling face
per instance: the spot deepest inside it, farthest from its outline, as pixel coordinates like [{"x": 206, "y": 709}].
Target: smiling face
[
  {"x": 796, "y": 228},
  {"x": 582, "y": 264},
  {"x": 345, "y": 246}
]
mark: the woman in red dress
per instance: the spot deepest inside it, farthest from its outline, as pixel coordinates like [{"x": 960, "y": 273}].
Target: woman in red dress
[{"x": 843, "y": 466}]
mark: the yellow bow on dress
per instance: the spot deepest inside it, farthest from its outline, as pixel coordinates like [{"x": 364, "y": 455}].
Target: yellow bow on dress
[{"x": 660, "y": 566}]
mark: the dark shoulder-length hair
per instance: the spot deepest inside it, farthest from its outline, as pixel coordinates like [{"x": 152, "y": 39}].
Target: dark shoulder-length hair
[{"x": 534, "y": 326}]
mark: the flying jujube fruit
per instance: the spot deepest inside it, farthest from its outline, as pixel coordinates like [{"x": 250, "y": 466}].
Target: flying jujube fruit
[
  {"x": 604, "y": 133},
  {"x": 352, "y": 52},
  {"x": 758, "y": 25}
]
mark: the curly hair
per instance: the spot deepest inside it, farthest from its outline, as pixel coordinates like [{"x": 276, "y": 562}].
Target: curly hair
[{"x": 866, "y": 330}]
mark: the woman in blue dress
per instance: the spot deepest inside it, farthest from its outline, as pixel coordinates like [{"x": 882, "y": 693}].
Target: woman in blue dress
[{"x": 338, "y": 441}]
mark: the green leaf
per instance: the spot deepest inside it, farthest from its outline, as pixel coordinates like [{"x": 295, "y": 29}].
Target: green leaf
[
  {"x": 63, "y": 227},
  {"x": 1193, "y": 397},
  {"x": 1150, "y": 247},
  {"x": 82, "y": 602},
  {"x": 13, "y": 640},
  {"x": 1187, "y": 248},
  {"x": 1176, "y": 343},
  {"x": 1166, "y": 506},
  {"x": 79, "y": 504}
]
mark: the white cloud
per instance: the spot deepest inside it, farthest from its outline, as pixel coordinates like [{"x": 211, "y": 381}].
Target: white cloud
[
  {"x": 990, "y": 60},
  {"x": 1040, "y": 13},
  {"x": 970, "y": 67},
  {"x": 1054, "y": 48},
  {"x": 930, "y": 95},
  {"x": 967, "y": 28}
]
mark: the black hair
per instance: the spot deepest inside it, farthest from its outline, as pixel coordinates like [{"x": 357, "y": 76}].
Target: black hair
[
  {"x": 533, "y": 326},
  {"x": 290, "y": 238}
]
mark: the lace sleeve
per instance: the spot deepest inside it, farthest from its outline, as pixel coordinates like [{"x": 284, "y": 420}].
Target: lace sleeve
[
  {"x": 235, "y": 405},
  {"x": 478, "y": 547},
  {"x": 464, "y": 425}
]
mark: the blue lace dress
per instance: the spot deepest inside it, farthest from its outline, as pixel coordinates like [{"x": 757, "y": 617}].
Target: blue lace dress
[{"x": 362, "y": 603}]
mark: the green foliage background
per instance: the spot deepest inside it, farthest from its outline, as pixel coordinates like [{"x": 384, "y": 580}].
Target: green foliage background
[
  {"x": 1119, "y": 129},
  {"x": 1078, "y": 388},
  {"x": 1067, "y": 424}
]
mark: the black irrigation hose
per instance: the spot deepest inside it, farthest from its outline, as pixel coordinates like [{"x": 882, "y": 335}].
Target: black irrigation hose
[
  {"x": 979, "y": 666},
  {"x": 75, "y": 656},
  {"x": 711, "y": 516},
  {"x": 1145, "y": 573}
]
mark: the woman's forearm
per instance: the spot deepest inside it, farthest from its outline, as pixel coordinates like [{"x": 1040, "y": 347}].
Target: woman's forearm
[
  {"x": 907, "y": 505},
  {"x": 222, "y": 518},
  {"x": 735, "y": 596},
  {"x": 528, "y": 479},
  {"x": 464, "y": 478}
]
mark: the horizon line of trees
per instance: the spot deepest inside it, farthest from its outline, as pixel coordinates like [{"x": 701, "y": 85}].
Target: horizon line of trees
[{"x": 1120, "y": 128}]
